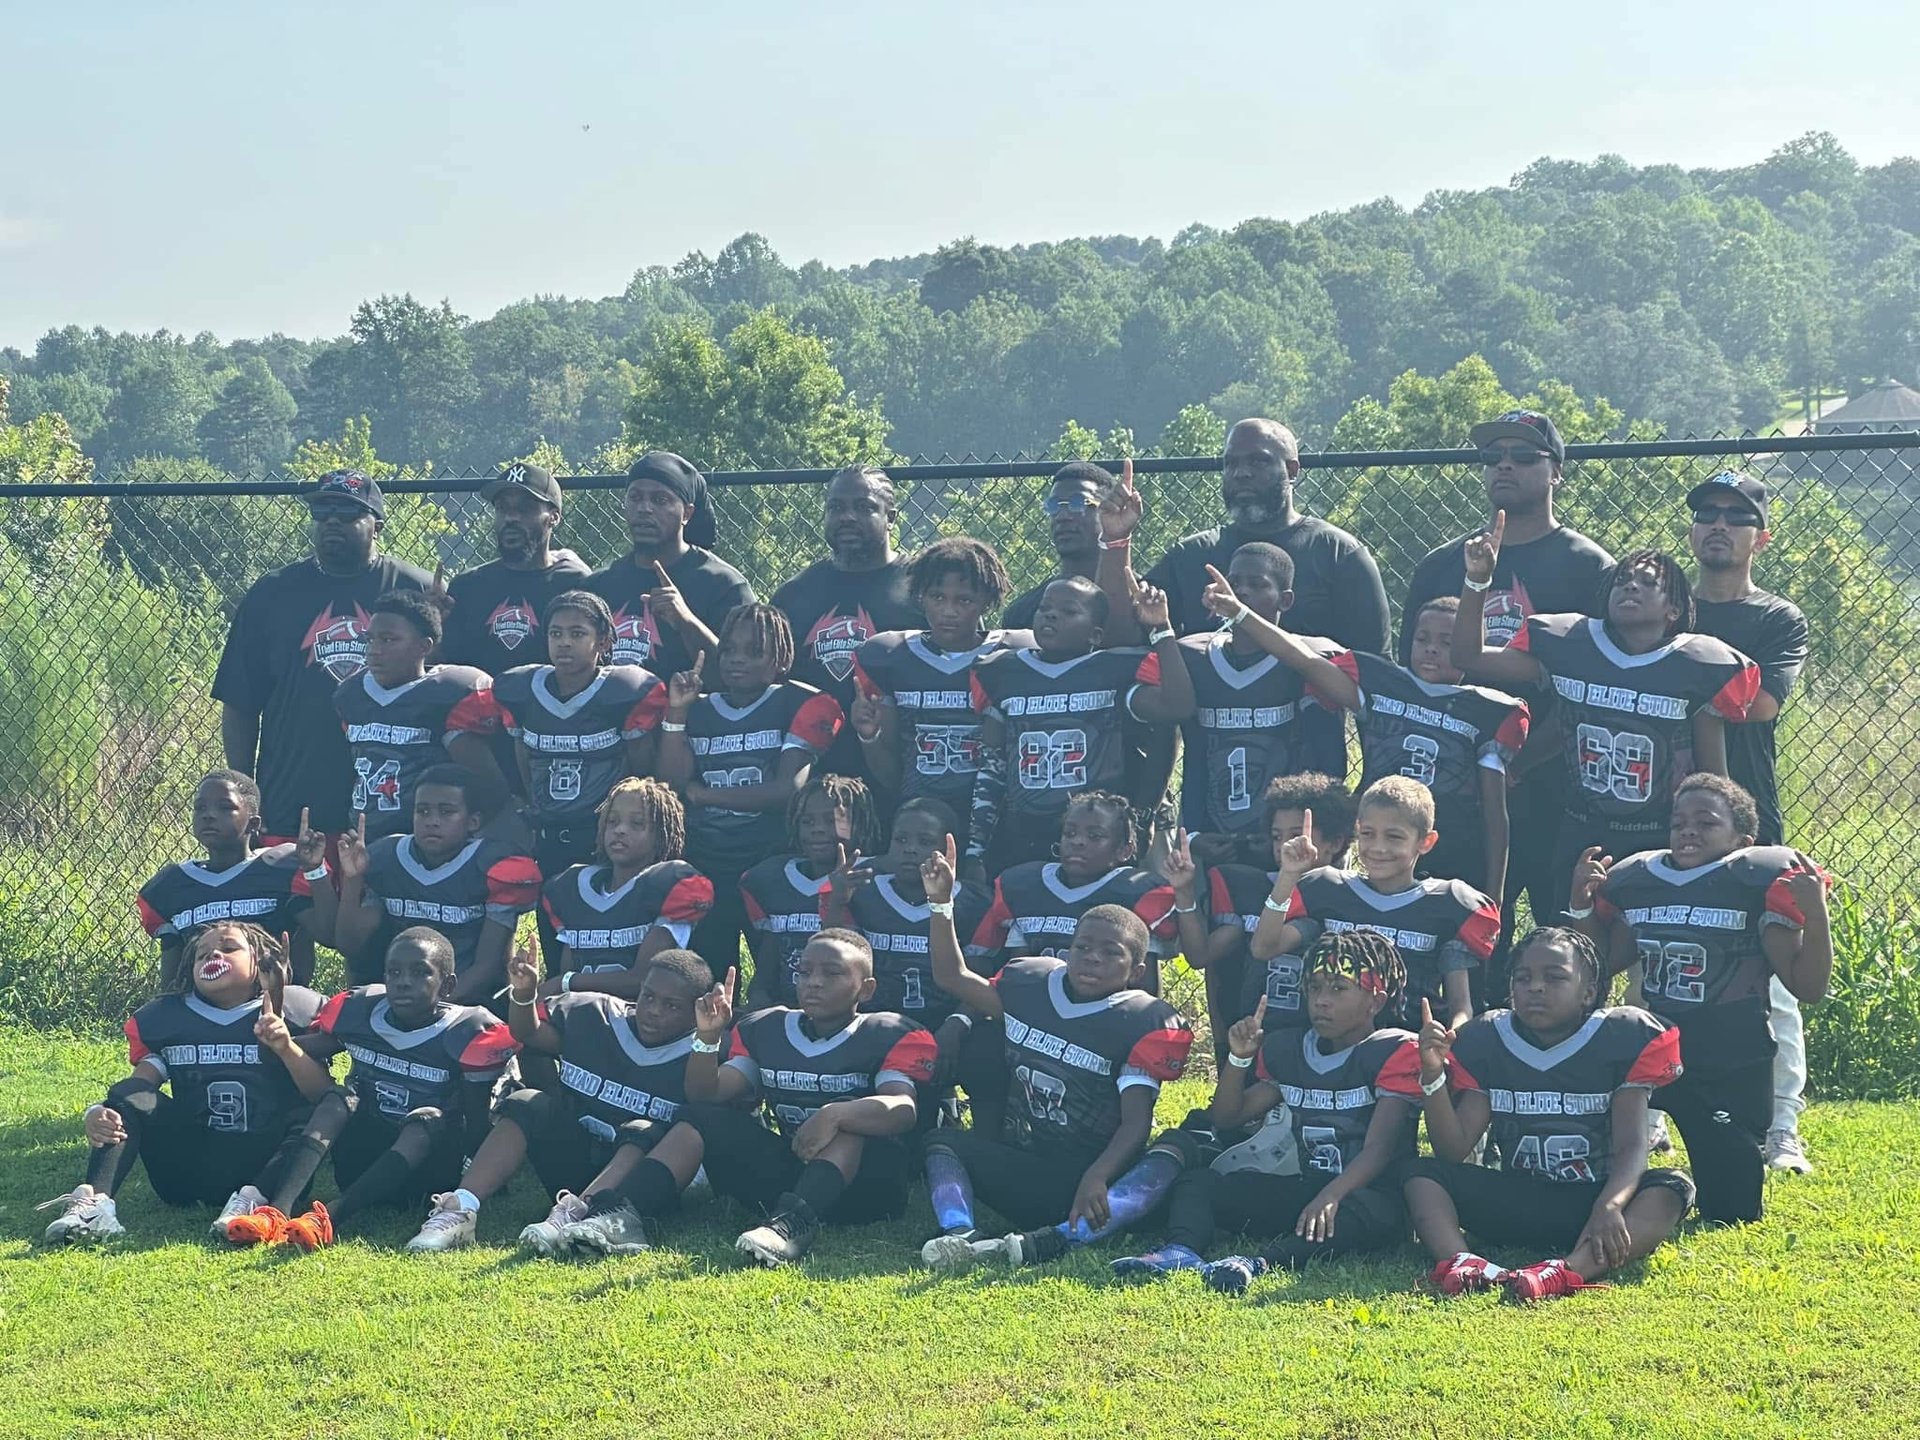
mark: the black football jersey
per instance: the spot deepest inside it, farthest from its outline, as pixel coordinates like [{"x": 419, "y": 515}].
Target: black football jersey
[
  {"x": 1444, "y": 736},
  {"x": 220, "y": 1075},
  {"x": 743, "y": 745},
  {"x": 1437, "y": 925},
  {"x": 577, "y": 746},
  {"x": 783, "y": 911},
  {"x": 1244, "y": 733},
  {"x": 1035, "y": 911},
  {"x": 395, "y": 734},
  {"x": 794, "y": 1074},
  {"x": 1553, "y": 1109},
  {"x": 483, "y": 880},
  {"x": 396, "y": 1071},
  {"x": 1063, "y": 723},
  {"x": 898, "y": 929},
  {"x": 604, "y": 928},
  {"x": 265, "y": 889},
  {"x": 1329, "y": 1098},
  {"x": 606, "y": 1073},
  {"x": 1236, "y": 894},
  {"x": 1629, "y": 718},
  {"x": 1069, "y": 1060},
  {"x": 930, "y": 689},
  {"x": 1698, "y": 931}
]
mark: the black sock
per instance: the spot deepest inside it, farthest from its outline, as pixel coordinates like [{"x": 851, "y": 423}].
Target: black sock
[
  {"x": 290, "y": 1172},
  {"x": 385, "y": 1179},
  {"x": 650, "y": 1189},
  {"x": 820, "y": 1184}
]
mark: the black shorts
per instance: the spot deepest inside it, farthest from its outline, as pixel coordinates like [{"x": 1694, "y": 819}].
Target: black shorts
[
  {"x": 1028, "y": 1188},
  {"x": 747, "y": 1162},
  {"x": 1512, "y": 1207},
  {"x": 188, "y": 1164},
  {"x": 369, "y": 1135},
  {"x": 565, "y": 1154}
]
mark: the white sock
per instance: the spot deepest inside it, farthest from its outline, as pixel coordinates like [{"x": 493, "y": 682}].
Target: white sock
[{"x": 467, "y": 1200}]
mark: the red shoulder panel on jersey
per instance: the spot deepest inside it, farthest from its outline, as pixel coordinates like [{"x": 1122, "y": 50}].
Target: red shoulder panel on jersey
[
  {"x": 329, "y": 1015},
  {"x": 1480, "y": 932},
  {"x": 982, "y": 701},
  {"x": 302, "y": 886},
  {"x": 913, "y": 1055},
  {"x": 1736, "y": 697},
  {"x": 1156, "y": 909},
  {"x": 1659, "y": 1063},
  {"x": 737, "y": 1050},
  {"x": 1512, "y": 733},
  {"x": 136, "y": 1047},
  {"x": 1149, "y": 671},
  {"x": 1522, "y": 638},
  {"x": 1401, "y": 1073},
  {"x": 756, "y": 912},
  {"x": 1162, "y": 1053},
  {"x": 1347, "y": 663},
  {"x": 1459, "y": 1077},
  {"x": 514, "y": 880},
  {"x": 817, "y": 722},
  {"x": 474, "y": 713},
  {"x": 646, "y": 715},
  {"x": 1780, "y": 899},
  {"x": 490, "y": 1049},
  {"x": 689, "y": 901},
  {"x": 995, "y": 925},
  {"x": 150, "y": 919},
  {"x": 1219, "y": 898},
  {"x": 1296, "y": 905}
]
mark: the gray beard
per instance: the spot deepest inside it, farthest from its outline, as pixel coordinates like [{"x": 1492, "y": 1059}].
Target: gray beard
[{"x": 1255, "y": 514}]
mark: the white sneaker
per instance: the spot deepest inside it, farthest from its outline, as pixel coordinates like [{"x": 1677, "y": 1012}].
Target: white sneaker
[
  {"x": 619, "y": 1231},
  {"x": 954, "y": 1253},
  {"x": 243, "y": 1201},
  {"x": 1785, "y": 1152},
  {"x": 85, "y": 1216},
  {"x": 1659, "y": 1139},
  {"x": 448, "y": 1226},
  {"x": 548, "y": 1237}
]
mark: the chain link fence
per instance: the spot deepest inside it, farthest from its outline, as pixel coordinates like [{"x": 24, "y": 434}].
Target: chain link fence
[{"x": 115, "y": 596}]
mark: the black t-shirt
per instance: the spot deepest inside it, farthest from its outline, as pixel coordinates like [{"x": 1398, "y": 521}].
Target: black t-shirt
[
  {"x": 1772, "y": 633},
  {"x": 833, "y": 613},
  {"x": 709, "y": 584},
  {"x": 498, "y": 619},
  {"x": 297, "y": 634},
  {"x": 1336, "y": 593}
]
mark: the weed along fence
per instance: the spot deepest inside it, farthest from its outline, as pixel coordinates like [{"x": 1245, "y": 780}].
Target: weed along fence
[{"x": 115, "y": 599}]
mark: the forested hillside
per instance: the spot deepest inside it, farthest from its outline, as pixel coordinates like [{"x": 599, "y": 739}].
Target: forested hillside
[{"x": 1698, "y": 300}]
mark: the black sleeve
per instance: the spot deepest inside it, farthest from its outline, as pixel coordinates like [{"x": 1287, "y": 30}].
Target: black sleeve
[
  {"x": 1428, "y": 583},
  {"x": 1360, "y": 600},
  {"x": 1783, "y": 650},
  {"x": 244, "y": 679}
]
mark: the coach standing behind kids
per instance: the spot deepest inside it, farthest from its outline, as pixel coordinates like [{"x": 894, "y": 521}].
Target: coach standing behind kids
[
  {"x": 499, "y": 607},
  {"x": 1730, "y": 514}
]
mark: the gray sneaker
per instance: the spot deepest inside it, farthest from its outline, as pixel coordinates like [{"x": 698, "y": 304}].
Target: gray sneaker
[
  {"x": 958, "y": 1252},
  {"x": 1785, "y": 1152},
  {"x": 619, "y": 1231},
  {"x": 447, "y": 1227},
  {"x": 548, "y": 1237},
  {"x": 85, "y": 1216}
]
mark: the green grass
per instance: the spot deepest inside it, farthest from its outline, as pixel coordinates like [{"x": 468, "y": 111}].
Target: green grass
[{"x": 1798, "y": 1326}]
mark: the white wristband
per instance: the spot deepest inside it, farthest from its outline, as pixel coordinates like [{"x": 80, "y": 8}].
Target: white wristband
[
  {"x": 1238, "y": 1063},
  {"x": 1121, "y": 544},
  {"x": 1572, "y": 914},
  {"x": 940, "y": 907},
  {"x": 1179, "y": 909},
  {"x": 1435, "y": 1085},
  {"x": 1270, "y": 904},
  {"x": 702, "y": 1047},
  {"x": 672, "y": 727},
  {"x": 566, "y": 983},
  {"x": 1233, "y": 620},
  {"x": 318, "y": 873},
  {"x": 1473, "y": 584}
]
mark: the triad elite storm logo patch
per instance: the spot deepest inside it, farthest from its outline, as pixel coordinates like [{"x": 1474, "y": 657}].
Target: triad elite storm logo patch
[
  {"x": 338, "y": 643},
  {"x": 835, "y": 637},
  {"x": 512, "y": 623},
  {"x": 1505, "y": 613},
  {"x": 636, "y": 638}
]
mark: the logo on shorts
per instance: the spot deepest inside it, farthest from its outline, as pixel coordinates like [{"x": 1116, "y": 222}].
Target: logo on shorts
[
  {"x": 835, "y": 637},
  {"x": 338, "y": 643},
  {"x": 511, "y": 623},
  {"x": 636, "y": 637}
]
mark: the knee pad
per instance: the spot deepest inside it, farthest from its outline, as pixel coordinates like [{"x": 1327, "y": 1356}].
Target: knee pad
[
  {"x": 136, "y": 1092},
  {"x": 1187, "y": 1146},
  {"x": 531, "y": 1110},
  {"x": 640, "y": 1132},
  {"x": 429, "y": 1118}
]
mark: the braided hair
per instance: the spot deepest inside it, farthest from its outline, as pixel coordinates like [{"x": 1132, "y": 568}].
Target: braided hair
[
  {"x": 1584, "y": 953},
  {"x": 661, "y": 807},
  {"x": 1672, "y": 581},
  {"x": 1122, "y": 810},
  {"x": 1366, "y": 957},
  {"x": 763, "y": 628},
  {"x": 844, "y": 792},
  {"x": 972, "y": 560}
]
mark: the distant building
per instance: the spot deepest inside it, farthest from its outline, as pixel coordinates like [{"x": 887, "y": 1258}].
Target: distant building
[{"x": 1887, "y": 406}]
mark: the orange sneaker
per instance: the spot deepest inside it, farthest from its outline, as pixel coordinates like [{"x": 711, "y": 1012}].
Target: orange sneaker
[
  {"x": 311, "y": 1230},
  {"x": 263, "y": 1226}
]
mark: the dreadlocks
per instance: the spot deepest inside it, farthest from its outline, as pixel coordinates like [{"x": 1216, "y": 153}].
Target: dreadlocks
[
  {"x": 270, "y": 962},
  {"x": 976, "y": 563},
  {"x": 1667, "y": 573},
  {"x": 659, "y": 807},
  {"x": 1576, "y": 944},
  {"x": 1366, "y": 957},
  {"x": 762, "y": 628},
  {"x": 843, "y": 792}
]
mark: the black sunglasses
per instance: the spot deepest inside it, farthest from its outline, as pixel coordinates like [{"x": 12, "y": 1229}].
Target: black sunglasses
[
  {"x": 1518, "y": 454},
  {"x": 1735, "y": 516}
]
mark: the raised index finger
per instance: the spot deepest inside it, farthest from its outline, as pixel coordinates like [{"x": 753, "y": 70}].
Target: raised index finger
[
  {"x": 1215, "y": 576},
  {"x": 660, "y": 570},
  {"x": 1260, "y": 1013},
  {"x": 1306, "y": 826},
  {"x": 1499, "y": 526},
  {"x": 1126, "y": 473},
  {"x": 1426, "y": 1011}
]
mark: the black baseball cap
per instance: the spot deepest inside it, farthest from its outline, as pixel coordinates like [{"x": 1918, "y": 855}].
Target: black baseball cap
[
  {"x": 1729, "y": 485},
  {"x": 535, "y": 480},
  {"x": 1528, "y": 425},
  {"x": 353, "y": 486}
]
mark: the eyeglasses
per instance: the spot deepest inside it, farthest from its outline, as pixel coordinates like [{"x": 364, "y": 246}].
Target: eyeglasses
[
  {"x": 1518, "y": 454},
  {"x": 1066, "y": 505},
  {"x": 1737, "y": 517}
]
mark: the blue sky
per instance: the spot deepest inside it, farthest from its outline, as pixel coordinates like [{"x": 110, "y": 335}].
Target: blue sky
[{"x": 249, "y": 168}]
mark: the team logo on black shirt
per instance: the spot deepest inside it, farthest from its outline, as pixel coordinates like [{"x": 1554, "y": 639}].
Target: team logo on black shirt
[
  {"x": 338, "y": 643},
  {"x": 511, "y": 623},
  {"x": 835, "y": 637},
  {"x": 635, "y": 636}
]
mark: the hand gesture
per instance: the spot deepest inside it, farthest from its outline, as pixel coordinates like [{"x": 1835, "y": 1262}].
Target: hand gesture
[
  {"x": 849, "y": 877},
  {"x": 353, "y": 850},
  {"x": 1219, "y": 598},
  {"x": 667, "y": 601},
  {"x": 1300, "y": 854},
  {"x": 1807, "y": 886},
  {"x": 1315, "y": 1224},
  {"x": 684, "y": 688},
  {"x": 523, "y": 973},
  {"x": 1436, "y": 1044},
  {"x": 310, "y": 846},
  {"x": 271, "y": 1028},
  {"x": 437, "y": 595},
  {"x": 1608, "y": 1234},
  {"x": 713, "y": 1011},
  {"x": 867, "y": 715},
  {"x": 1589, "y": 871},
  {"x": 1149, "y": 604},
  {"x": 104, "y": 1127},
  {"x": 1180, "y": 869},
  {"x": 817, "y": 1132},
  {"x": 1247, "y": 1032},
  {"x": 937, "y": 874},
  {"x": 1483, "y": 550},
  {"x": 1121, "y": 508},
  {"x": 1090, "y": 1208}
]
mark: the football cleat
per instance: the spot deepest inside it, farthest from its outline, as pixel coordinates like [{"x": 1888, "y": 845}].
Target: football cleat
[
  {"x": 548, "y": 1237},
  {"x": 447, "y": 1227},
  {"x": 1466, "y": 1273},
  {"x": 615, "y": 1231},
  {"x": 1785, "y": 1152},
  {"x": 1233, "y": 1274},
  {"x": 1547, "y": 1280},
  {"x": 243, "y": 1201},
  {"x": 785, "y": 1238},
  {"x": 86, "y": 1216},
  {"x": 262, "y": 1225},
  {"x": 957, "y": 1251},
  {"x": 311, "y": 1230},
  {"x": 1167, "y": 1260},
  {"x": 1659, "y": 1138},
  {"x": 1034, "y": 1247}
]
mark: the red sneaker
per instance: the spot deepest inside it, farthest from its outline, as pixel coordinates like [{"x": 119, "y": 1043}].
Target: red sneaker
[
  {"x": 1548, "y": 1280},
  {"x": 262, "y": 1226},
  {"x": 311, "y": 1230},
  {"x": 1465, "y": 1273}
]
